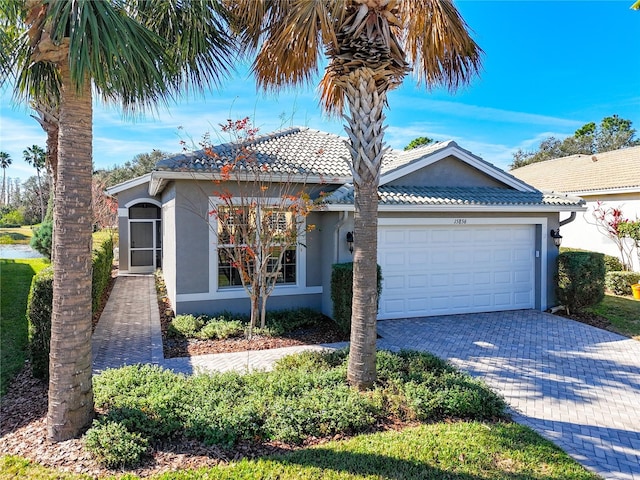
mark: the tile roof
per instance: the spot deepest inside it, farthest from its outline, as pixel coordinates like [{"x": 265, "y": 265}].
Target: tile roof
[
  {"x": 293, "y": 151},
  {"x": 469, "y": 196},
  {"x": 297, "y": 150},
  {"x": 618, "y": 169}
]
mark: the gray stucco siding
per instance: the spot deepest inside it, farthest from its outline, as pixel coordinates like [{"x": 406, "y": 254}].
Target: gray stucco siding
[
  {"x": 448, "y": 172},
  {"x": 193, "y": 245}
]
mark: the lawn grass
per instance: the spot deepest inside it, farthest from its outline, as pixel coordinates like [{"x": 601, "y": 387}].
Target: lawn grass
[
  {"x": 622, "y": 312},
  {"x": 16, "y": 236},
  {"x": 15, "y": 281},
  {"x": 452, "y": 450}
]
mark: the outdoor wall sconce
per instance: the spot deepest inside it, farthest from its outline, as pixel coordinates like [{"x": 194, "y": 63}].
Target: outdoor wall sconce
[
  {"x": 350, "y": 241},
  {"x": 557, "y": 238}
]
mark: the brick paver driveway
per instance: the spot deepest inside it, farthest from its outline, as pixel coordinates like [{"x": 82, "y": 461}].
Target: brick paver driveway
[{"x": 577, "y": 385}]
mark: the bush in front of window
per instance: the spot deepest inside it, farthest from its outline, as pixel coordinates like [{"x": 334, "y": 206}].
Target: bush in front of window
[{"x": 342, "y": 293}]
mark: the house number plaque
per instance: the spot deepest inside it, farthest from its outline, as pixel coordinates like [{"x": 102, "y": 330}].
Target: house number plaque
[{"x": 459, "y": 221}]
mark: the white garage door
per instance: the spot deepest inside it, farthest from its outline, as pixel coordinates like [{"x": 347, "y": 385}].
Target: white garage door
[{"x": 437, "y": 270}]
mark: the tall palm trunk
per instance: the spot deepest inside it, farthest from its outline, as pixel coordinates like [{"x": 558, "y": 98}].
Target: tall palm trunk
[
  {"x": 70, "y": 389},
  {"x": 366, "y": 132}
]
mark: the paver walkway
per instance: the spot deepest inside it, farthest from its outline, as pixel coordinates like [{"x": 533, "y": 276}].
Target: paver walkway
[{"x": 577, "y": 385}]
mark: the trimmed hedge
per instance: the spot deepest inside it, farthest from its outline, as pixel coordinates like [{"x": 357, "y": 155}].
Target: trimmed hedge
[
  {"x": 102, "y": 261},
  {"x": 620, "y": 282},
  {"x": 611, "y": 263},
  {"x": 580, "y": 280},
  {"x": 342, "y": 293},
  {"x": 39, "y": 314},
  {"x": 40, "y": 303}
]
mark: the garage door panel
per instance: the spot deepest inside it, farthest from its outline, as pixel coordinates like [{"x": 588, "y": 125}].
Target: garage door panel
[
  {"x": 433, "y": 270},
  {"x": 439, "y": 280},
  {"x": 503, "y": 277},
  {"x": 394, "y": 281},
  {"x": 418, "y": 281}
]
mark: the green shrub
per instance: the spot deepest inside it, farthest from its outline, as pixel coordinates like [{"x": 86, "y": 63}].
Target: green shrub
[
  {"x": 102, "y": 261},
  {"x": 42, "y": 239},
  {"x": 185, "y": 326},
  {"x": 611, "y": 263},
  {"x": 114, "y": 446},
  {"x": 144, "y": 398},
  {"x": 580, "y": 279},
  {"x": 11, "y": 219},
  {"x": 342, "y": 293},
  {"x": 282, "y": 321},
  {"x": 306, "y": 395},
  {"x": 620, "y": 282},
  {"x": 39, "y": 305},
  {"x": 220, "y": 329}
]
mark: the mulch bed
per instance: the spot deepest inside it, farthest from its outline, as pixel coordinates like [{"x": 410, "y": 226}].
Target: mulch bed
[
  {"x": 327, "y": 333},
  {"x": 590, "y": 319}
]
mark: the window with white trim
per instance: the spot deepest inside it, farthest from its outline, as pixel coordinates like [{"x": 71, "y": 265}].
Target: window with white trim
[{"x": 240, "y": 226}]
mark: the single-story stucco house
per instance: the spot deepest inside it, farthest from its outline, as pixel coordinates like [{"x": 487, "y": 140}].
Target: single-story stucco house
[
  {"x": 612, "y": 178},
  {"x": 456, "y": 234}
]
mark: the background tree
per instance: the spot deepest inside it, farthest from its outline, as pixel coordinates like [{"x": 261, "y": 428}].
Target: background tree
[
  {"x": 37, "y": 158},
  {"x": 105, "y": 207},
  {"x": 611, "y": 223},
  {"x": 419, "y": 142},
  {"x": 132, "y": 53},
  {"x": 141, "y": 164},
  {"x": 612, "y": 133},
  {"x": 371, "y": 45},
  {"x": 5, "y": 161}
]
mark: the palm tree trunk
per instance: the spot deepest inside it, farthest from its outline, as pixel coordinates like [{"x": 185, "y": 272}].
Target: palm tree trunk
[
  {"x": 366, "y": 132},
  {"x": 40, "y": 196},
  {"x": 70, "y": 388}
]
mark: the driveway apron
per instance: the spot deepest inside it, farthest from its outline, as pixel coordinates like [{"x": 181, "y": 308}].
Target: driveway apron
[{"x": 577, "y": 385}]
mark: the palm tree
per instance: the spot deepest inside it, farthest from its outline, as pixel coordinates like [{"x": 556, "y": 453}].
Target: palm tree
[
  {"x": 5, "y": 161},
  {"x": 36, "y": 157},
  {"x": 134, "y": 53},
  {"x": 371, "y": 45}
]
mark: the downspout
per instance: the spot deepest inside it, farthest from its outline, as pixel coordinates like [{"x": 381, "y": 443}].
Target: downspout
[
  {"x": 571, "y": 218},
  {"x": 562, "y": 223}
]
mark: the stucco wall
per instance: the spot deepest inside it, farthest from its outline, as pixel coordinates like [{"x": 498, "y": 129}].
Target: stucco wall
[
  {"x": 582, "y": 233},
  {"x": 448, "y": 172},
  {"x": 169, "y": 242}
]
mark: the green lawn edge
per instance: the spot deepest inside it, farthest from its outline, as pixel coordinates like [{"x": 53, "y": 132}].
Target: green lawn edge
[
  {"x": 452, "y": 450},
  {"x": 15, "y": 282}
]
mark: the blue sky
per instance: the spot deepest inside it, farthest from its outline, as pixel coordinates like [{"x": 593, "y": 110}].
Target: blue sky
[{"x": 549, "y": 67}]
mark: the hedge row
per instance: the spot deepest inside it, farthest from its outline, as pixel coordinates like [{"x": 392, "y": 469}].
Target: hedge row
[
  {"x": 620, "y": 282},
  {"x": 342, "y": 293},
  {"x": 41, "y": 300}
]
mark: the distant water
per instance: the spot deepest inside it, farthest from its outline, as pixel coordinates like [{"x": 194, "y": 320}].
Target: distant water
[{"x": 19, "y": 251}]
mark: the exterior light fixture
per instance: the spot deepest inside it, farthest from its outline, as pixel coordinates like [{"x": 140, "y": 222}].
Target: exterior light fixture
[
  {"x": 557, "y": 238},
  {"x": 350, "y": 241}
]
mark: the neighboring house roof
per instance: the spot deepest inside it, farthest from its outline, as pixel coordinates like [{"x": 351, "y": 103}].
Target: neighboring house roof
[
  {"x": 467, "y": 198},
  {"x": 607, "y": 172}
]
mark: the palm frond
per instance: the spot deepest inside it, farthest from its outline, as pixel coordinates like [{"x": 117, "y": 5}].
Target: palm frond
[
  {"x": 197, "y": 34},
  {"x": 290, "y": 37},
  {"x": 438, "y": 43}
]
